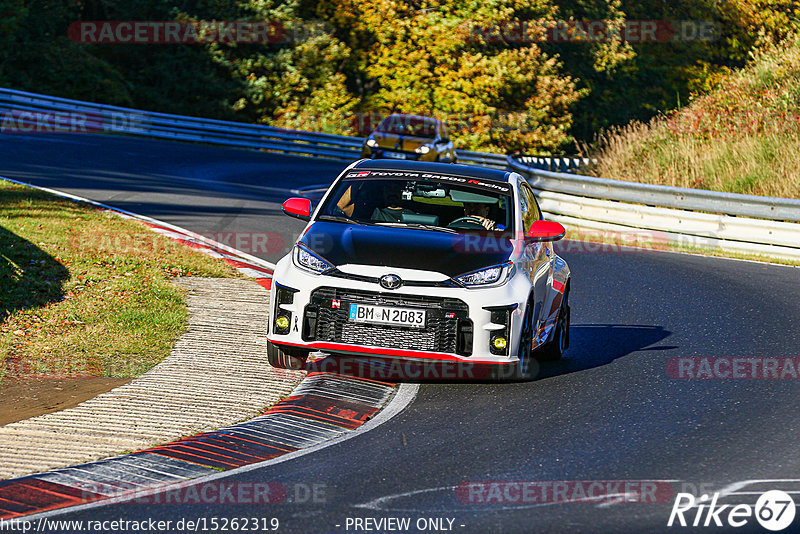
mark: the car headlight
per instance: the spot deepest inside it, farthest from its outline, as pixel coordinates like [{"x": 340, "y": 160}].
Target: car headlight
[
  {"x": 372, "y": 143},
  {"x": 424, "y": 149},
  {"x": 495, "y": 274},
  {"x": 306, "y": 259}
]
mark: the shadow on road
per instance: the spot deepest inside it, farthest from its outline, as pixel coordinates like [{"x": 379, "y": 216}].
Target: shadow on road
[
  {"x": 590, "y": 346},
  {"x": 594, "y": 345}
]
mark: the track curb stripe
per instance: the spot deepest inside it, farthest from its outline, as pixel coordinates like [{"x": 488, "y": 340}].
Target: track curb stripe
[{"x": 322, "y": 407}]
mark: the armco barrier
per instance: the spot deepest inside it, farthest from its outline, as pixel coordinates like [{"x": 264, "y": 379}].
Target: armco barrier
[
  {"x": 704, "y": 219},
  {"x": 745, "y": 224},
  {"x": 134, "y": 122}
]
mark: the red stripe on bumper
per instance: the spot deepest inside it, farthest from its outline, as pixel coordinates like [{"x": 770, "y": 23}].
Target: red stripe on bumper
[{"x": 378, "y": 351}]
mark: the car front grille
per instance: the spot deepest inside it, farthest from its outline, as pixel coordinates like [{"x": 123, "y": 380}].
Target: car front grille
[{"x": 447, "y": 329}]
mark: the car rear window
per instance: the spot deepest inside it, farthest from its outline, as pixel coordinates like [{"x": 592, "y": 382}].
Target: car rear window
[{"x": 409, "y": 126}]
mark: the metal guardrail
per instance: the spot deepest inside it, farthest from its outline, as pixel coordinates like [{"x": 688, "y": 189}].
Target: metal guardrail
[
  {"x": 153, "y": 125},
  {"x": 693, "y": 218},
  {"x": 556, "y": 163},
  {"x": 780, "y": 209}
]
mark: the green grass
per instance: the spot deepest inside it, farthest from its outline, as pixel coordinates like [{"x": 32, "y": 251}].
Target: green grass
[
  {"x": 743, "y": 137},
  {"x": 84, "y": 292}
]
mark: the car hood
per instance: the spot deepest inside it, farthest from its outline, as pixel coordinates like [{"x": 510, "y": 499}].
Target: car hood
[
  {"x": 400, "y": 142},
  {"x": 408, "y": 248}
]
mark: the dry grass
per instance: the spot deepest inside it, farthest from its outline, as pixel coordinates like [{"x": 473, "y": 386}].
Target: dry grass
[
  {"x": 743, "y": 138},
  {"x": 84, "y": 292}
]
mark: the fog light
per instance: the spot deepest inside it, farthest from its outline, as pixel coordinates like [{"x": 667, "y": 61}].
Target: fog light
[
  {"x": 499, "y": 342},
  {"x": 282, "y": 323}
]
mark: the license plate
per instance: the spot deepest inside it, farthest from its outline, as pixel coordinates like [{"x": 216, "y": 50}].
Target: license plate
[
  {"x": 394, "y": 155},
  {"x": 364, "y": 313}
]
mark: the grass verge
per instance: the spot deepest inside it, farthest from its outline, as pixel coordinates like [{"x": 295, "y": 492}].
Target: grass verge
[
  {"x": 743, "y": 137},
  {"x": 84, "y": 292}
]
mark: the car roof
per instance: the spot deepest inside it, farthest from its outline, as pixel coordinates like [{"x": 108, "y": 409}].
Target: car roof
[
  {"x": 419, "y": 117},
  {"x": 451, "y": 169}
]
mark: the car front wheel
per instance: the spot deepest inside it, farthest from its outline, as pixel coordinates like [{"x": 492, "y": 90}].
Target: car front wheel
[
  {"x": 555, "y": 348},
  {"x": 528, "y": 367}
]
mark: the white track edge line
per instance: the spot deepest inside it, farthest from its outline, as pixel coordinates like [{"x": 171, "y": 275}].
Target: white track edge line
[
  {"x": 203, "y": 239},
  {"x": 405, "y": 395}
]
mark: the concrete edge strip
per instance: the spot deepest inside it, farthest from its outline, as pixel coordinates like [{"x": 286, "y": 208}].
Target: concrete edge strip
[
  {"x": 303, "y": 423},
  {"x": 250, "y": 266}
]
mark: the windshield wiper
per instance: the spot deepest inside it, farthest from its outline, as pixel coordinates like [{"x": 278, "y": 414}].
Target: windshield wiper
[
  {"x": 339, "y": 218},
  {"x": 418, "y": 225}
]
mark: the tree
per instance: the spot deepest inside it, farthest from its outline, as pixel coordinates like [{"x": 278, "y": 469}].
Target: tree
[{"x": 432, "y": 58}]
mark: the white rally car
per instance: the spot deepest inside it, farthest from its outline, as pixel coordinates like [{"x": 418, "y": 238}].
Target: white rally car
[{"x": 422, "y": 261}]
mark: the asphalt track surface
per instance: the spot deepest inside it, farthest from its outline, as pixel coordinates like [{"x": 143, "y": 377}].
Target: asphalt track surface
[
  {"x": 232, "y": 196},
  {"x": 607, "y": 412}
]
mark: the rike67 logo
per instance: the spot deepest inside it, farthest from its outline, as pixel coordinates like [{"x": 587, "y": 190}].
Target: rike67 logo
[{"x": 774, "y": 510}]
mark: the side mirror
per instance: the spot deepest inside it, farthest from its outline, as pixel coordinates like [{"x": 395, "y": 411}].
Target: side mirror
[
  {"x": 299, "y": 208},
  {"x": 545, "y": 231}
]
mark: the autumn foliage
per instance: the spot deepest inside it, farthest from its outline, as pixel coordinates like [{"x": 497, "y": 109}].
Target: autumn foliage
[{"x": 338, "y": 66}]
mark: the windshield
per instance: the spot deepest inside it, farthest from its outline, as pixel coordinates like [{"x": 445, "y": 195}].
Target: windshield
[
  {"x": 408, "y": 125},
  {"x": 433, "y": 203}
]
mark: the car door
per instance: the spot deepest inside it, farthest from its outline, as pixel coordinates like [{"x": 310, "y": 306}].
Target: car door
[{"x": 538, "y": 256}]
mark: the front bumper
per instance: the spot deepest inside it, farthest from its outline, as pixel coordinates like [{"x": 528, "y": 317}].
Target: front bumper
[{"x": 461, "y": 323}]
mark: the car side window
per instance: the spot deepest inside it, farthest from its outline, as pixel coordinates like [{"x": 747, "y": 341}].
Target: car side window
[
  {"x": 444, "y": 137},
  {"x": 528, "y": 207},
  {"x": 534, "y": 202}
]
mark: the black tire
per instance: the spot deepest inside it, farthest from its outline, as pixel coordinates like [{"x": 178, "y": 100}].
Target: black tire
[
  {"x": 555, "y": 348},
  {"x": 286, "y": 358},
  {"x": 528, "y": 367}
]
